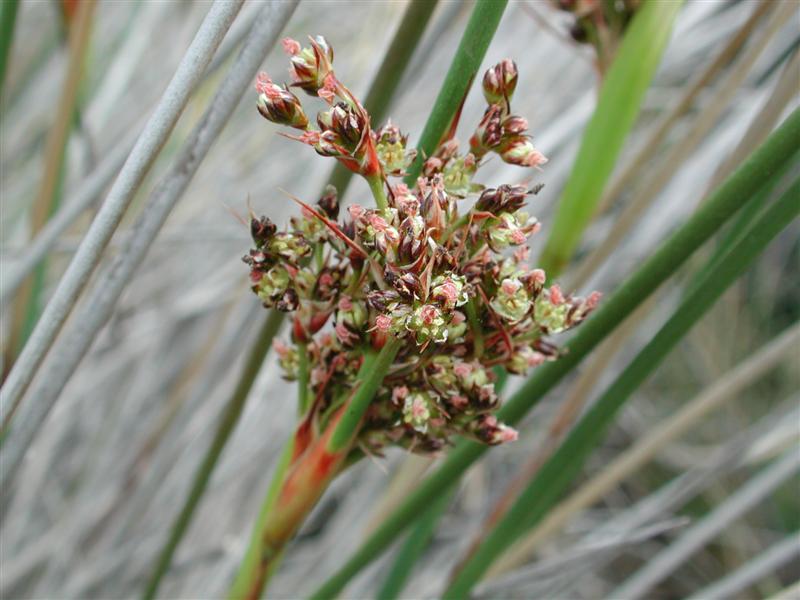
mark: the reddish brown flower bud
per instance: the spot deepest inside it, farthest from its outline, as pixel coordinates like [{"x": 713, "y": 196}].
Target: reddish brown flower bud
[
  {"x": 262, "y": 230},
  {"x": 519, "y": 150},
  {"x": 278, "y": 104},
  {"x": 500, "y": 81},
  {"x": 329, "y": 203},
  {"x": 311, "y": 66},
  {"x": 505, "y": 198},
  {"x": 515, "y": 125},
  {"x": 489, "y": 132}
]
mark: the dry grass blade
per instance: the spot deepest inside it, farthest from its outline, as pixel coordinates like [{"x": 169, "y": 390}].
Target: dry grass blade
[
  {"x": 26, "y": 307},
  {"x": 155, "y": 134},
  {"x": 645, "y": 449},
  {"x": 757, "y": 489},
  {"x": 71, "y": 348},
  {"x": 753, "y": 571}
]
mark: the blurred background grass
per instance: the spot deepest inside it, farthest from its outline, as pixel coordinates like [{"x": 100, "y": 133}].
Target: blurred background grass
[{"x": 106, "y": 476}]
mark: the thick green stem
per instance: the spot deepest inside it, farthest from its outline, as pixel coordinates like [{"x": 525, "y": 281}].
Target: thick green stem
[
  {"x": 378, "y": 192},
  {"x": 566, "y": 462},
  {"x": 479, "y": 33},
  {"x": 475, "y": 327},
  {"x": 671, "y": 255},
  {"x": 308, "y": 476},
  {"x": 370, "y": 377},
  {"x": 621, "y": 96},
  {"x": 227, "y": 423}
]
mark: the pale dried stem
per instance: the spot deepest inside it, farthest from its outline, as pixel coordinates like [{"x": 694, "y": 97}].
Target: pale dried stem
[
  {"x": 156, "y": 132},
  {"x": 55, "y": 151},
  {"x": 758, "y": 488}
]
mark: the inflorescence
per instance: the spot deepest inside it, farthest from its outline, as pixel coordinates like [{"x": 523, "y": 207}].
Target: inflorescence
[{"x": 451, "y": 283}]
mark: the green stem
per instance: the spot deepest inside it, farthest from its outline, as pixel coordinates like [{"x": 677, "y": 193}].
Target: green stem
[
  {"x": 252, "y": 559},
  {"x": 565, "y": 464},
  {"x": 378, "y": 192},
  {"x": 302, "y": 378},
  {"x": 369, "y": 379},
  {"x": 227, "y": 423},
  {"x": 475, "y": 326},
  {"x": 479, "y": 33},
  {"x": 726, "y": 200},
  {"x": 389, "y": 74},
  {"x": 8, "y": 20},
  {"x": 415, "y": 544}
]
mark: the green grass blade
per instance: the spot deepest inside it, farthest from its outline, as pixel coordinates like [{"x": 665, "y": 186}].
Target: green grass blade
[
  {"x": 618, "y": 106},
  {"x": 565, "y": 464},
  {"x": 479, "y": 33},
  {"x": 8, "y": 19},
  {"x": 756, "y": 171},
  {"x": 390, "y": 73},
  {"x": 413, "y": 548}
]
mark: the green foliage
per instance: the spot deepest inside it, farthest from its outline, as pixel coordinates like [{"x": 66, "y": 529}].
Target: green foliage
[{"x": 620, "y": 99}]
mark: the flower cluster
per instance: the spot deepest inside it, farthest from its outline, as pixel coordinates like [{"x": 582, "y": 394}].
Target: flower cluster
[{"x": 448, "y": 280}]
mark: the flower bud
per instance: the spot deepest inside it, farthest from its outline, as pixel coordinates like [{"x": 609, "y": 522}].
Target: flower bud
[
  {"x": 287, "y": 359},
  {"x": 428, "y": 324},
  {"x": 329, "y": 203},
  {"x": 310, "y": 66},
  {"x": 500, "y": 81},
  {"x": 519, "y": 150},
  {"x": 418, "y": 408},
  {"x": 278, "y": 104},
  {"x": 551, "y": 312},
  {"x": 272, "y": 285},
  {"x": 512, "y": 301},
  {"x": 457, "y": 175},
  {"x": 390, "y": 145},
  {"x": 352, "y": 314},
  {"x": 290, "y": 246},
  {"x": 514, "y": 125},
  {"x": 506, "y": 198},
  {"x": 449, "y": 290},
  {"x": 489, "y": 132},
  {"x": 523, "y": 359},
  {"x": 262, "y": 230}
]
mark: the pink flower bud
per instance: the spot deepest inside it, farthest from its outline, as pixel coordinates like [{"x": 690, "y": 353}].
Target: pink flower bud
[
  {"x": 399, "y": 393},
  {"x": 290, "y": 46},
  {"x": 500, "y": 81},
  {"x": 462, "y": 369},
  {"x": 383, "y": 323},
  {"x": 507, "y": 434},
  {"x": 556, "y": 296},
  {"x": 356, "y": 211}
]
